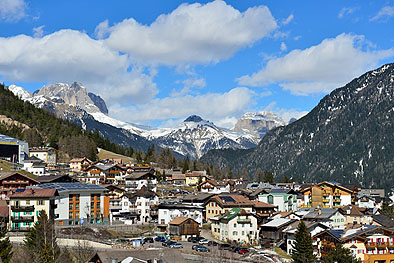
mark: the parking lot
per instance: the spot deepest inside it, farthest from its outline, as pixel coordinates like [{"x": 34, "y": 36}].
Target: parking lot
[{"x": 253, "y": 255}]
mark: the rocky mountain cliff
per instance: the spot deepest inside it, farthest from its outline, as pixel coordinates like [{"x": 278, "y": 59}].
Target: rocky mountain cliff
[
  {"x": 348, "y": 137},
  {"x": 258, "y": 123},
  {"x": 195, "y": 137},
  {"x": 73, "y": 103}
]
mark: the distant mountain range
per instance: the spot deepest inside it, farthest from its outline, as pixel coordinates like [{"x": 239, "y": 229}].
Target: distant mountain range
[
  {"x": 348, "y": 137},
  {"x": 193, "y": 137}
]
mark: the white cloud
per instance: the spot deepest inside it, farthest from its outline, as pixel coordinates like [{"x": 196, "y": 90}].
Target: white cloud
[
  {"x": 387, "y": 11},
  {"x": 191, "y": 34},
  {"x": 345, "y": 11},
  {"x": 189, "y": 84},
  {"x": 38, "y": 31},
  {"x": 288, "y": 19},
  {"x": 320, "y": 68},
  {"x": 68, "y": 56},
  {"x": 215, "y": 106},
  {"x": 283, "y": 46},
  {"x": 285, "y": 114},
  {"x": 12, "y": 10}
]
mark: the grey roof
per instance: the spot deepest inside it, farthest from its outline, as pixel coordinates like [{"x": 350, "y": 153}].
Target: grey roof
[
  {"x": 384, "y": 220},
  {"x": 326, "y": 213},
  {"x": 199, "y": 198},
  {"x": 66, "y": 187},
  {"x": 7, "y": 139}
]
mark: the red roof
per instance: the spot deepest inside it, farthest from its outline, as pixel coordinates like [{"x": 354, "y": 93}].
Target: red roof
[{"x": 34, "y": 193}]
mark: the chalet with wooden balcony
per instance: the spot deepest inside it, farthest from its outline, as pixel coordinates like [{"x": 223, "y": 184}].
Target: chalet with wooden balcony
[
  {"x": 329, "y": 195},
  {"x": 13, "y": 180},
  {"x": 104, "y": 174},
  {"x": 26, "y": 204},
  {"x": 368, "y": 243},
  {"x": 77, "y": 165}
]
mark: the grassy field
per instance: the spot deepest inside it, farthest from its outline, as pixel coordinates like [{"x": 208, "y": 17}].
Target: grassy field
[{"x": 104, "y": 154}]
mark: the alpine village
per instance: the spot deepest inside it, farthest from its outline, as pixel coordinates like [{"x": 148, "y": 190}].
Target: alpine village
[{"x": 78, "y": 185}]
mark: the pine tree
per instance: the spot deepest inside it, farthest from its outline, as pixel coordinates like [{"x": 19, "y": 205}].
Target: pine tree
[
  {"x": 5, "y": 247},
  {"x": 341, "y": 255},
  {"x": 41, "y": 242},
  {"x": 302, "y": 249}
]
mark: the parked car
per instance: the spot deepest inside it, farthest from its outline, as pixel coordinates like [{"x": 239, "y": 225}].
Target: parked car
[
  {"x": 203, "y": 241},
  {"x": 243, "y": 251},
  {"x": 160, "y": 239},
  {"x": 197, "y": 239},
  {"x": 148, "y": 240},
  {"x": 224, "y": 247},
  {"x": 235, "y": 249},
  {"x": 202, "y": 249},
  {"x": 176, "y": 245},
  {"x": 212, "y": 243},
  {"x": 194, "y": 247},
  {"x": 168, "y": 243}
]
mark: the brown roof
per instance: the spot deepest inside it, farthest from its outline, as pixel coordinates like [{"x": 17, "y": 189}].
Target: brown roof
[
  {"x": 354, "y": 210},
  {"x": 8, "y": 174},
  {"x": 180, "y": 220},
  {"x": 259, "y": 204},
  {"x": 212, "y": 182},
  {"x": 178, "y": 177},
  {"x": 232, "y": 200},
  {"x": 34, "y": 193}
]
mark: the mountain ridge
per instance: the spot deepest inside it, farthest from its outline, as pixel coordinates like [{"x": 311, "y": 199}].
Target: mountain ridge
[{"x": 348, "y": 137}]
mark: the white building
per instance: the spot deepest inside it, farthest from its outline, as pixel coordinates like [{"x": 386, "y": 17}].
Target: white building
[
  {"x": 236, "y": 225},
  {"x": 47, "y": 154},
  {"x": 168, "y": 212},
  {"x": 284, "y": 199},
  {"x": 35, "y": 166},
  {"x": 79, "y": 203},
  {"x": 140, "y": 203},
  {"x": 210, "y": 186},
  {"x": 136, "y": 180}
]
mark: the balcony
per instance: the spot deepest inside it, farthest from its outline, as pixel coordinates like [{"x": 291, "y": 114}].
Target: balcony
[
  {"x": 336, "y": 194},
  {"x": 326, "y": 200},
  {"x": 244, "y": 221},
  {"x": 28, "y": 208},
  {"x": 22, "y": 219},
  {"x": 326, "y": 243},
  {"x": 379, "y": 245}
]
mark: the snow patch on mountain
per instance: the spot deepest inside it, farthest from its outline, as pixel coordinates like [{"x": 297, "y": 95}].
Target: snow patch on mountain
[{"x": 20, "y": 92}]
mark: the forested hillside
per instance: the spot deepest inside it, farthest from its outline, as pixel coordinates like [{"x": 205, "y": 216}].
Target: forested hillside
[
  {"x": 348, "y": 137},
  {"x": 44, "y": 128}
]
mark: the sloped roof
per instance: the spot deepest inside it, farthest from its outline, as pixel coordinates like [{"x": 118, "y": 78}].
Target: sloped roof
[
  {"x": 354, "y": 210},
  {"x": 278, "y": 222},
  {"x": 34, "y": 193},
  {"x": 181, "y": 220},
  {"x": 259, "y": 204},
  {"x": 230, "y": 200},
  {"x": 8, "y": 174},
  {"x": 384, "y": 220}
]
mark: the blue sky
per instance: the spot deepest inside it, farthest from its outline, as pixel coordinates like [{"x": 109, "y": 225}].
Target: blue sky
[{"x": 156, "y": 62}]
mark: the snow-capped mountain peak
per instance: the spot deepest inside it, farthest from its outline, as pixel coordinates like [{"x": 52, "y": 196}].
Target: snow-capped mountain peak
[{"x": 20, "y": 92}]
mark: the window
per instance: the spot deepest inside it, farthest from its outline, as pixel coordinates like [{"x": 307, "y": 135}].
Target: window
[
  {"x": 28, "y": 202},
  {"x": 70, "y": 206},
  {"x": 235, "y": 233},
  {"x": 270, "y": 199},
  {"x": 70, "y": 215},
  {"x": 235, "y": 224},
  {"x": 41, "y": 202},
  {"x": 77, "y": 206},
  {"x": 91, "y": 197},
  {"x": 92, "y": 205},
  {"x": 243, "y": 225},
  {"x": 243, "y": 233},
  {"x": 76, "y": 197},
  {"x": 71, "y": 198},
  {"x": 98, "y": 205}
]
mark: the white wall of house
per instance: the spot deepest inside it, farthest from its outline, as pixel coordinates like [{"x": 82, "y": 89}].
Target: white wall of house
[
  {"x": 166, "y": 215},
  {"x": 235, "y": 230},
  {"x": 136, "y": 185}
]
